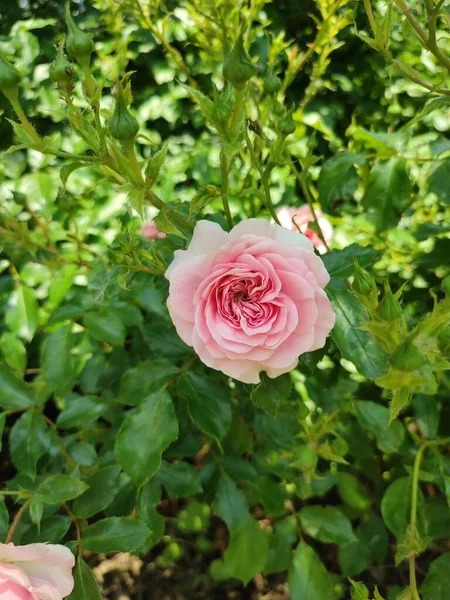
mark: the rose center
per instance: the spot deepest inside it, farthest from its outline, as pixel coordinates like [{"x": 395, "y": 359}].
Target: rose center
[{"x": 240, "y": 296}]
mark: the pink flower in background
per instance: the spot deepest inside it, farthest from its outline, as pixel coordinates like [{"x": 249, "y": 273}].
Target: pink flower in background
[
  {"x": 250, "y": 300},
  {"x": 303, "y": 217},
  {"x": 35, "y": 572},
  {"x": 151, "y": 232}
]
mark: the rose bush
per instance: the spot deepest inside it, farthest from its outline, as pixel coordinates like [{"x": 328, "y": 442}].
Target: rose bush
[
  {"x": 250, "y": 300},
  {"x": 258, "y": 457},
  {"x": 35, "y": 572}
]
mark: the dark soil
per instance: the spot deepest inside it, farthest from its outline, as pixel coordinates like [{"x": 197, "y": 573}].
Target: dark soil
[{"x": 126, "y": 577}]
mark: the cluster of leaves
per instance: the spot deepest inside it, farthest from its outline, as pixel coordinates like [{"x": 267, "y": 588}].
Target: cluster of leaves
[{"x": 117, "y": 438}]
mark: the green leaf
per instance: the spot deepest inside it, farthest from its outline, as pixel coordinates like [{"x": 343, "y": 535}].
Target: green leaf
[
  {"x": 339, "y": 263},
  {"x": 103, "y": 486},
  {"x": 203, "y": 197},
  {"x": 388, "y": 193},
  {"x": 357, "y": 346},
  {"x": 230, "y": 503},
  {"x": 67, "y": 169},
  {"x": 57, "y": 362},
  {"x": 14, "y": 352},
  {"x": 280, "y": 554},
  {"x": 4, "y": 519},
  {"x": 359, "y": 591},
  {"x": 154, "y": 165},
  {"x": 106, "y": 327},
  {"x": 60, "y": 488},
  {"x": 396, "y": 506},
  {"x": 164, "y": 221},
  {"x": 86, "y": 586},
  {"x": 179, "y": 479},
  {"x": 338, "y": 179},
  {"x": 374, "y": 417},
  {"x": 14, "y": 393},
  {"x": 22, "y": 314},
  {"x": 115, "y": 534},
  {"x": 269, "y": 493},
  {"x": 80, "y": 412},
  {"x": 246, "y": 553},
  {"x": 51, "y": 531},
  {"x": 352, "y": 491},
  {"x": 148, "y": 501},
  {"x": 83, "y": 453},
  {"x": 208, "y": 404},
  {"x": 147, "y": 377},
  {"x": 327, "y": 524},
  {"x": 2, "y": 428},
  {"x": 438, "y": 181},
  {"x": 36, "y": 510},
  {"x": 354, "y": 558},
  {"x": 426, "y": 410},
  {"x": 437, "y": 580},
  {"x": 270, "y": 393},
  {"x": 308, "y": 578},
  {"x": 29, "y": 440},
  {"x": 145, "y": 434}
]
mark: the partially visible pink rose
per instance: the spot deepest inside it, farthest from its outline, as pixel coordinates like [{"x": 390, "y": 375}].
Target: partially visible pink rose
[
  {"x": 35, "y": 572},
  {"x": 151, "y": 232},
  {"x": 303, "y": 217},
  {"x": 250, "y": 300}
]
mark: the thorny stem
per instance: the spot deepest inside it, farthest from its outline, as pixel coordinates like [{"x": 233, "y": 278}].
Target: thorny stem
[
  {"x": 74, "y": 521},
  {"x": 224, "y": 167},
  {"x": 302, "y": 182},
  {"x": 161, "y": 205},
  {"x": 17, "y": 519},
  {"x": 15, "y": 103},
  {"x": 430, "y": 40},
  {"x": 264, "y": 177},
  {"x": 414, "y": 502},
  {"x": 176, "y": 56},
  {"x": 237, "y": 109},
  {"x": 408, "y": 74}
]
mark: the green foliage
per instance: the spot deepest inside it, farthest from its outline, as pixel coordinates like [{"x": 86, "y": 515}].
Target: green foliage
[{"x": 114, "y": 436}]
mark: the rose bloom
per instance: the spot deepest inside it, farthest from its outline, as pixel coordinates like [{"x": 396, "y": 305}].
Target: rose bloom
[
  {"x": 35, "y": 572},
  {"x": 250, "y": 300},
  {"x": 303, "y": 217},
  {"x": 151, "y": 232}
]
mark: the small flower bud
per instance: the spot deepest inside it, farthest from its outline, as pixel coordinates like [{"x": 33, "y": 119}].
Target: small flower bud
[
  {"x": 390, "y": 308},
  {"x": 407, "y": 357},
  {"x": 339, "y": 447},
  {"x": 61, "y": 70},
  {"x": 272, "y": 83},
  {"x": 305, "y": 458},
  {"x": 286, "y": 125},
  {"x": 238, "y": 67},
  {"x": 446, "y": 285},
  {"x": 9, "y": 76},
  {"x": 363, "y": 282},
  {"x": 123, "y": 126},
  {"x": 79, "y": 44}
]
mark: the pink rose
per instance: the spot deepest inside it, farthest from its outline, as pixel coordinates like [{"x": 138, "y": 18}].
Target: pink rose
[
  {"x": 303, "y": 217},
  {"x": 151, "y": 232},
  {"x": 250, "y": 300},
  {"x": 35, "y": 572}
]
